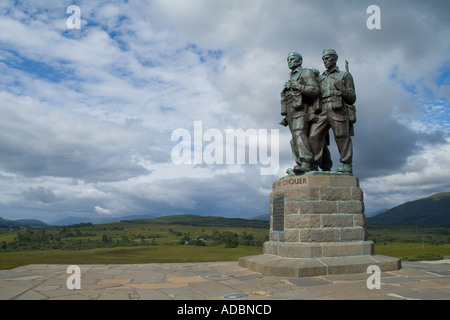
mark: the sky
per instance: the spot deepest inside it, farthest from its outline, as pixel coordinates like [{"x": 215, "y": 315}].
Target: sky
[{"x": 113, "y": 117}]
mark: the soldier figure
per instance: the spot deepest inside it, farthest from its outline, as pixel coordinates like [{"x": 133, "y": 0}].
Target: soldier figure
[
  {"x": 337, "y": 96},
  {"x": 297, "y": 101}
]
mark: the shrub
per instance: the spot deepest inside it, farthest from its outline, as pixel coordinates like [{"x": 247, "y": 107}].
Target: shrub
[
  {"x": 231, "y": 243},
  {"x": 430, "y": 256}
]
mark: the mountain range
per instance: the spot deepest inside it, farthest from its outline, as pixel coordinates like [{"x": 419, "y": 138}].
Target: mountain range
[
  {"x": 21, "y": 224},
  {"x": 430, "y": 211}
]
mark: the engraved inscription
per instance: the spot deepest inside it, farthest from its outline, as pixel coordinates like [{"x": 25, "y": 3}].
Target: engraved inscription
[
  {"x": 278, "y": 213},
  {"x": 290, "y": 182}
]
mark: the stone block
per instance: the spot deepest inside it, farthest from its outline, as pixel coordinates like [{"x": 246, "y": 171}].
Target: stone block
[
  {"x": 352, "y": 248},
  {"x": 293, "y": 250},
  {"x": 359, "y": 220},
  {"x": 337, "y": 221},
  {"x": 303, "y": 221},
  {"x": 335, "y": 193},
  {"x": 346, "y": 265},
  {"x": 291, "y": 207},
  {"x": 387, "y": 263},
  {"x": 350, "y": 207},
  {"x": 318, "y": 207},
  {"x": 273, "y": 236},
  {"x": 344, "y": 181},
  {"x": 357, "y": 194},
  {"x": 300, "y": 250},
  {"x": 319, "y": 180},
  {"x": 352, "y": 234},
  {"x": 270, "y": 265},
  {"x": 291, "y": 235},
  {"x": 283, "y": 267},
  {"x": 271, "y": 247},
  {"x": 302, "y": 193},
  {"x": 319, "y": 235}
]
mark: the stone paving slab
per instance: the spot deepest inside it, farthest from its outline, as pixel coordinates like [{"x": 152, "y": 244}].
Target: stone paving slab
[{"x": 218, "y": 281}]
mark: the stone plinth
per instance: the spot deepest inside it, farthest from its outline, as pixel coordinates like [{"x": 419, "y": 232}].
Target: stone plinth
[{"x": 317, "y": 226}]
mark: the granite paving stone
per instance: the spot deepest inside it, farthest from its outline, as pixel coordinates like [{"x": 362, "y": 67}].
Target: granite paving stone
[{"x": 217, "y": 281}]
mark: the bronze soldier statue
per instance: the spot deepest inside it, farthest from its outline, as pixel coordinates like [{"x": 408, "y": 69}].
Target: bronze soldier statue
[
  {"x": 297, "y": 100},
  {"x": 337, "y": 96}
]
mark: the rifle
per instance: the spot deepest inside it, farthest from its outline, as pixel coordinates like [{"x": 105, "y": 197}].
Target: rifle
[{"x": 350, "y": 108}]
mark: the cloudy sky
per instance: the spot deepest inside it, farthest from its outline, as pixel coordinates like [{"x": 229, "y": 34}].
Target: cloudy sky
[{"x": 90, "y": 118}]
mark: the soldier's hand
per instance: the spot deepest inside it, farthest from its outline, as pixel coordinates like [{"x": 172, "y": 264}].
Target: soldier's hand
[
  {"x": 296, "y": 86},
  {"x": 284, "y": 122},
  {"x": 339, "y": 85},
  {"x": 312, "y": 118}
]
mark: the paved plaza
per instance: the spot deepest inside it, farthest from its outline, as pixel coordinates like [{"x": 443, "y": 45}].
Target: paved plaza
[{"x": 217, "y": 281}]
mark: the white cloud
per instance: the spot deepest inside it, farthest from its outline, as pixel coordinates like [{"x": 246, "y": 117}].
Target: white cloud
[
  {"x": 102, "y": 211},
  {"x": 423, "y": 174},
  {"x": 98, "y": 105}
]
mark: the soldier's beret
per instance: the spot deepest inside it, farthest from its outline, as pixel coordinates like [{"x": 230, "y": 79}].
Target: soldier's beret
[
  {"x": 328, "y": 51},
  {"x": 296, "y": 54}
]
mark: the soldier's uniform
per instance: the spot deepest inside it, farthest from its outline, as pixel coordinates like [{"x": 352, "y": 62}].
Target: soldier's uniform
[
  {"x": 296, "y": 102},
  {"x": 335, "y": 115}
]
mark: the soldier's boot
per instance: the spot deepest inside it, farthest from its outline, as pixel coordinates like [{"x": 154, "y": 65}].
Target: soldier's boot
[
  {"x": 302, "y": 168},
  {"x": 346, "y": 168}
]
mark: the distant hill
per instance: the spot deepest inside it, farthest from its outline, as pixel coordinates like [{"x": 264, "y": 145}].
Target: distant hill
[
  {"x": 139, "y": 217},
  {"x": 429, "y": 211},
  {"x": 76, "y": 220},
  {"x": 195, "y": 220},
  {"x": 184, "y": 219},
  {"x": 21, "y": 224},
  {"x": 264, "y": 217},
  {"x": 71, "y": 220},
  {"x": 372, "y": 214}
]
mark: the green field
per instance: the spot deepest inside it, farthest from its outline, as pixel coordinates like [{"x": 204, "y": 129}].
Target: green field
[
  {"x": 190, "y": 239},
  {"x": 408, "y": 233},
  {"x": 413, "y": 251},
  {"x": 127, "y": 233},
  {"x": 127, "y": 255},
  {"x": 137, "y": 241}
]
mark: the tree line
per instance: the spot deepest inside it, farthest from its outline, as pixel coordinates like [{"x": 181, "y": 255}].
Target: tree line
[{"x": 71, "y": 239}]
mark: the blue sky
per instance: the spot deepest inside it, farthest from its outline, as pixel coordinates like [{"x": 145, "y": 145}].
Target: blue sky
[{"x": 86, "y": 116}]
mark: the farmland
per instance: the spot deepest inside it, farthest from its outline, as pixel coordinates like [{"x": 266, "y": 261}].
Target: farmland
[{"x": 186, "y": 239}]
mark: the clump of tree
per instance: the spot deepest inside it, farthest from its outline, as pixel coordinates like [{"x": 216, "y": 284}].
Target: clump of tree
[
  {"x": 66, "y": 239},
  {"x": 87, "y": 236}
]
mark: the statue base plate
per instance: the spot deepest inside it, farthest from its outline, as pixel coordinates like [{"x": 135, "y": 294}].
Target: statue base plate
[{"x": 271, "y": 265}]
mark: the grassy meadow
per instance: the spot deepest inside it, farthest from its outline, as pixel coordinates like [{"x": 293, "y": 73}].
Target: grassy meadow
[
  {"x": 136, "y": 241},
  {"x": 127, "y": 255},
  {"x": 189, "y": 239}
]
